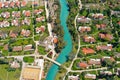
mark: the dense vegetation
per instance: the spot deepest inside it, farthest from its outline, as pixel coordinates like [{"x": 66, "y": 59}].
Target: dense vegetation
[{"x": 58, "y": 30}]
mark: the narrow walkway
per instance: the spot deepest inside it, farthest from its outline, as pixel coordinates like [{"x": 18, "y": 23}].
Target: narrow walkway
[{"x": 49, "y": 27}]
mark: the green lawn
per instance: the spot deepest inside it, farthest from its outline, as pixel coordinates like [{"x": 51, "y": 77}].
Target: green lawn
[
  {"x": 29, "y": 59},
  {"x": 37, "y": 37},
  {"x": 75, "y": 67},
  {"x": 5, "y": 75},
  {"x": 41, "y": 50}
]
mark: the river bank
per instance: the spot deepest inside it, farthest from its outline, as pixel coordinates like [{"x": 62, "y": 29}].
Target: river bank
[{"x": 62, "y": 58}]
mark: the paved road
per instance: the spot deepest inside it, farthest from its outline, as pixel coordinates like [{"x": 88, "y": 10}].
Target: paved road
[{"x": 103, "y": 68}]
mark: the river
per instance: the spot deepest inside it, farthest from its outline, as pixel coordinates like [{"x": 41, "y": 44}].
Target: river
[{"x": 62, "y": 58}]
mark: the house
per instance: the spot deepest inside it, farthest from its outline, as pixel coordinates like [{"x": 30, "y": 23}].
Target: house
[
  {"x": 94, "y": 62},
  {"x": 83, "y": 19},
  {"x": 55, "y": 40},
  {"x": 25, "y": 33},
  {"x": 118, "y": 22},
  {"x": 46, "y": 43},
  {"x": 84, "y": 29},
  {"x": 31, "y": 73},
  {"x": 101, "y": 26},
  {"x": 83, "y": 65},
  {"x": 107, "y": 47},
  {"x": 40, "y": 29},
  {"x": 6, "y": 4},
  {"x": 89, "y": 39},
  {"x": 88, "y": 51},
  {"x": 39, "y": 11},
  {"x": 115, "y": 13},
  {"x": 28, "y": 47},
  {"x": 15, "y": 64},
  {"x": 5, "y": 14},
  {"x": 98, "y": 16},
  {"x": 39, "y": 62},
  {"x": 23, "y": 3},
  {"x": 106, "y": 73},
  {"x": 117, "y": 55},
  {"x": 107, "y": 57},
  {"x": 35, "y": 3},
  {"x": 72, "y": 77},
  {"x": 1, "y": 5},
  {"x": 15, "y": 22},
  {"x": 13, "y": 34},
  {"x": 27, "y": 13},
  {"x": 105, "y": 36},
  {"x": 17, "y": 3},
  {"x": 5, "y": 47},
  {"x": 26, "y": 21},
  {"x": 90, "y": 76},
  {"x": 4, "y": 24},
  {"x": 3, "y": 35},
  {"x": 40, "y": 19},
  {"x": 16, "y": 14},
  {"x": 17, "y": 48},
  {"x": 12, "y": 4}
]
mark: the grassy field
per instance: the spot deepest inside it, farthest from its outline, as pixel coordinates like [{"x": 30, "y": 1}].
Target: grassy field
[
  {"x": 13, "y": 75},
  {"x": 29, "y": 59},
  {"x": 41, "y": 50}
]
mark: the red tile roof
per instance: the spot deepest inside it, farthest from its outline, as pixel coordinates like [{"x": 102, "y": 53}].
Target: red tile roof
[
  {"x": 28, "y": 47},
  {"x": 26, "y": 21},
  {"x": 5, "y": 14},
  {"x": 94, "y": 62},
  {"x": 105, "y": 36},
  {"x": 12, "y": 34},
  {"x": 98, "y": 15},
  {"x": 12, "y": 4},
  {"x": 84, "y": 29},
  {"x": 16, "y": 14},
  {"x": 101, "y": 26},
  {"x": 17, "y": 48},
  {"x": 83, "y": 19},
  {"x": 89, "y": 39},
  {"x": 83, "y": 65},
  {"x": 40, "y": 29},
  {"x": 40, "y": 19},
  {"x": 15, "y": 22},
  {"x": 38, "y": 11},
  {"x": 27, "y": 13},
  {"x": 23, "y": 3},
  {"x": 6, "y": 4},
  {"x": 25, "y": 33},
  {"x": 55, "y": 40},
  {"x": 105, "y": 47},
  {"x": 0, "y": 4},
  {"x": 17, "y": 3},
  {"x": 88, "y": 51},
  {"x": 119, "y": 22}
]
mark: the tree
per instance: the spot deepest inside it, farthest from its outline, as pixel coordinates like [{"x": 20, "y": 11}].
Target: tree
[
  {"x": 109, "y": 63},
  {"x": 71, "y": 56}
]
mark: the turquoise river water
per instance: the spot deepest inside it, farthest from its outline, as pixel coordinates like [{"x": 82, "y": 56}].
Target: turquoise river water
[{"x": 67, "y": 38}]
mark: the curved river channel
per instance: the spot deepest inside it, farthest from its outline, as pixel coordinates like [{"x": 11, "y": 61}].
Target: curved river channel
[{"x": 67, "y": 38}]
